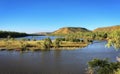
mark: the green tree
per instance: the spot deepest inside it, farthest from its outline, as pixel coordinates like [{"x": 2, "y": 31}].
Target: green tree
[
  {"x": 105, "y": 35},
  {"x": 47, "y": 43},
  {"x": 114, "y": 39},
  {"x": 57, "y": 42}
]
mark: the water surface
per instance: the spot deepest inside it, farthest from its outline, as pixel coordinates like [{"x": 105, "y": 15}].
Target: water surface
[
  {"x": 39, "y": 37},
  {"x": 54, "y": 62}
]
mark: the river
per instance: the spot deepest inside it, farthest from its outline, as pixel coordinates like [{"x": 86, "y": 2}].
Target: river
[
  {"x": 54, "y": 62},
  {"x": 39, "y": 37}
]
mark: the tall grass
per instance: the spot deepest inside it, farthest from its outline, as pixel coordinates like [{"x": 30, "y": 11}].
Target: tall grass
[
  {"x": 117, "y": 72},
  {"x": 23, "y": 44}
]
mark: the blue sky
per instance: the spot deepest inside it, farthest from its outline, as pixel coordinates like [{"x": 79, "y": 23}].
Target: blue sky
[{"x": 49, "y": 15}]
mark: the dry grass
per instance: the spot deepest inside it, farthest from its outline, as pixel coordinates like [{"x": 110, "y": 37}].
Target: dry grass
[
  {"x": 73, "y": 44},
  {"x": 34, "y": 45},
  {"x": 117, "y": 72}
]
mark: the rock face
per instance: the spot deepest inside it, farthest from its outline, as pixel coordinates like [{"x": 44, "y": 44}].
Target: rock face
[
  {"x": 107, "y": 29},
  {"x": 67, "y": 30}
]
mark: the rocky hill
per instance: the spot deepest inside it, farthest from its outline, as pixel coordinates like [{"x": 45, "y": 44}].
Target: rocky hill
[
  {"x": 68, "y": 30},
  {"x": 107, "y": 29}
]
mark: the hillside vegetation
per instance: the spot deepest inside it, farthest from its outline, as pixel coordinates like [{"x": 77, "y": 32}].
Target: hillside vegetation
[{"x": 107, "y": 29}]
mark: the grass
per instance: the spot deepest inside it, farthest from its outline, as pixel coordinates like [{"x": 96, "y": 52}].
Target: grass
[
  {"x": 117, "y": 72},
  {"x": 73, "y": 44},
  {"x": 20, "y": 45}
]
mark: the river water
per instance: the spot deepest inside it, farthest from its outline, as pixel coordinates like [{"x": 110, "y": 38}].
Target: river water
[
  {"x": 54, "y": 62},
  {"x": 39, "y": 37}
]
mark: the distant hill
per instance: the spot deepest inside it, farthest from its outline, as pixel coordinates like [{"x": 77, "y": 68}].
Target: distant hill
[
  {"x": 42, "y": 33},
  {"x": 68, "y": 30},
  {"x": 107, "y": 29}
]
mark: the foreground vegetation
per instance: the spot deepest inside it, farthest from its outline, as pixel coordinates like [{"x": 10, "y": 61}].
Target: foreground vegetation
[
  {"x": 103, "y": 66},
  {"x": 99, "y": 66}
]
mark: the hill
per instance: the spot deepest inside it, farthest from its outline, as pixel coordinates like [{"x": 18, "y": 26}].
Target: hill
[
  {"x": 107, "y": 29},
  {"x": 68, "y": 30},
  {"x": 42, "y": 33}
]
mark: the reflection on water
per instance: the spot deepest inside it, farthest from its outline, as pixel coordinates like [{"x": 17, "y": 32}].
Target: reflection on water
[{"x": 54, "y": 62}]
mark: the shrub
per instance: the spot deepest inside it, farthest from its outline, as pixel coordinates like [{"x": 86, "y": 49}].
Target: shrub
[{"x": 97, "y": 66}]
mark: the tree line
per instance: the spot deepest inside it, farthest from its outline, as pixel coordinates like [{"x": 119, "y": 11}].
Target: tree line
[{"x": 5, "y": 34}]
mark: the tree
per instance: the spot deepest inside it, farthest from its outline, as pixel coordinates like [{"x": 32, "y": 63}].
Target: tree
[
  {"x": 114, "y": 39},
  {"x": 6, "y": 34},
  {"x": 57, "y": 42},
  {"x": 47, "y": 43},
  {"x": 105, "y": 35},
  {"x": 23, "y": 45}
]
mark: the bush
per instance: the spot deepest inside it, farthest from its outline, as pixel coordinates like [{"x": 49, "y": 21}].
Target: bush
[{"x": 97, "y": 66}]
